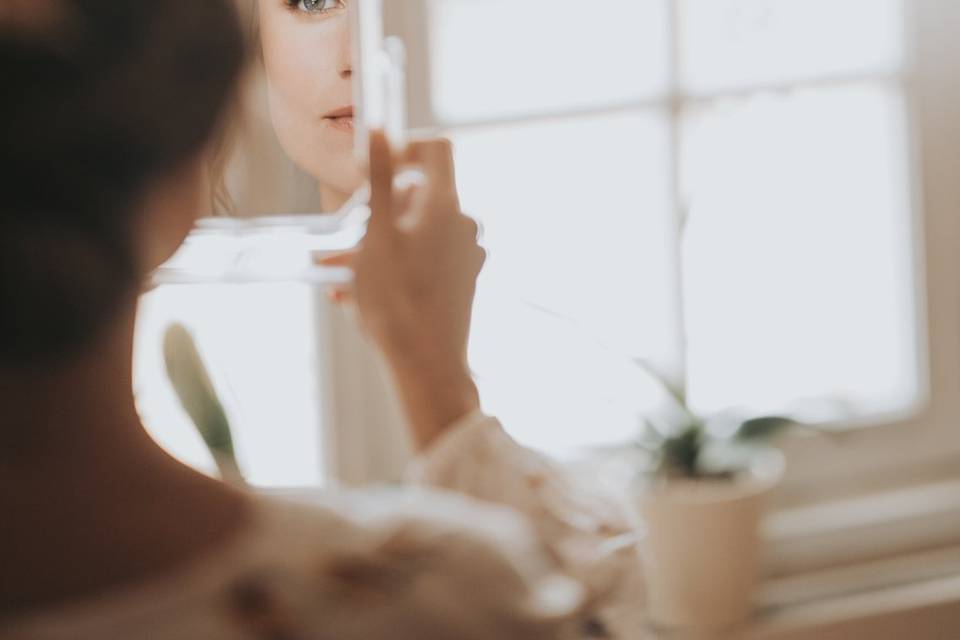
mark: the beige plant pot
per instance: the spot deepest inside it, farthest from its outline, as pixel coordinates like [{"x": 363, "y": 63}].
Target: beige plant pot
[{"x": 702, "y": 551}]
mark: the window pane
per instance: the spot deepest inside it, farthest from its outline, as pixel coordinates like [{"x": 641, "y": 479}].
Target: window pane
[
  {"x": 799, "y": 265},
  {"x": 576, "y": 220},
  {"x": 258, "y": 342},
  {"x": 730, "y": 43},
  {"x": 496, "y": 57}
]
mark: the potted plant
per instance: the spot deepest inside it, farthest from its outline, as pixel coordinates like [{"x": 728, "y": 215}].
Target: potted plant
[{"x": 702, "y": 498}]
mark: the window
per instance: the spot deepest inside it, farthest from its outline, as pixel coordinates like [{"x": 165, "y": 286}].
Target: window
[
  {"x": 751, "y": 165},
  {"x": 774, "y": 133}
]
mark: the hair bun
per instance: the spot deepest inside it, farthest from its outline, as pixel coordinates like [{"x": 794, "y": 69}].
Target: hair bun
[
  {"x": 102, "y": 98},
  {"x": 33, "y": 18}
]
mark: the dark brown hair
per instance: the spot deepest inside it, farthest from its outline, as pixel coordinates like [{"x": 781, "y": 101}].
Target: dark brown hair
[{"x": 101, "y": 99}]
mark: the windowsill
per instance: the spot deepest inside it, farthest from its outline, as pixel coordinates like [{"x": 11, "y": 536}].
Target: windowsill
[
  {"x": 864, "y": 528},
  {"x": 923, "y": 609},
  {"x": 877, "y": 566},
  {"x": 906, "y": 597}
]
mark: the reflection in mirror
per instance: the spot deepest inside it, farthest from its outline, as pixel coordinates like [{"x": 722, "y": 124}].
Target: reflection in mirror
[
  {"x": 307, "y": 60},
  {"x": 245, "y": 283},
  {"x": 646, "y": 198},
  {"x": 288, "y": 173}
]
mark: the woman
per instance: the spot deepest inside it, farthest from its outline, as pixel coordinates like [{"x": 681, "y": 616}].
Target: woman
[{"x": 104, "y": 535}]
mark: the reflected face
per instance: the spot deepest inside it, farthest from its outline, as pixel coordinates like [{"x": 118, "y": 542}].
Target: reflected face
[{"x": 307, "y": 52}]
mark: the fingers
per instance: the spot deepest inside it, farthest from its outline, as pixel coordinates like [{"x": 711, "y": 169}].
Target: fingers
[
  {"x": 340, "y": 297},
  {"x": 475, "y": 230},
  {"x": 471, "y": 228},
  {"x": 344, "y": 259},
  {"x": 435, "y": 159},
  {"x": 338, "y": 294},
  {"x": 381, "y": 184},
  {"x": 480, "y": 258},
  {"x": 405, "y": 197}
]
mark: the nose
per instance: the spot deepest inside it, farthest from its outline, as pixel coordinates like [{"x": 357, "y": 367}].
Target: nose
[{"x": 345, "y": 50}]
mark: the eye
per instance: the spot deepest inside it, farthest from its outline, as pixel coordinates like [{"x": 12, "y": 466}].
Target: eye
[{"x": 318, "y": 6}]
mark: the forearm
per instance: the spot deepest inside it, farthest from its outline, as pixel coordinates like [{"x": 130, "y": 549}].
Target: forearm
[{"x": 435, "y": 394}]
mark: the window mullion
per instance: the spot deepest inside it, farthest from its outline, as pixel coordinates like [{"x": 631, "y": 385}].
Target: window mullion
[
  {"x": 439, "y": 124},
  {"x": 677, "y": 370}
]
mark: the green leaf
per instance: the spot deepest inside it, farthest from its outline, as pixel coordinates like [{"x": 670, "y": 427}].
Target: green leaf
[
  {"x": 765, "y": 428},
  {"x": 649, "y": 435},
  {"x": 193, "y": 387},
  {"x": 680, "y": 454},
  {"x": 676, "y": 391}
]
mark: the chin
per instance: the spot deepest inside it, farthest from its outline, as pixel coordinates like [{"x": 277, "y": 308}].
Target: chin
[{"x": 338, "y": 173}]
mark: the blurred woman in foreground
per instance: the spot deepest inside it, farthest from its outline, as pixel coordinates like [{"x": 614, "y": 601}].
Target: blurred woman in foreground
[{"x": 110, "y": 109}]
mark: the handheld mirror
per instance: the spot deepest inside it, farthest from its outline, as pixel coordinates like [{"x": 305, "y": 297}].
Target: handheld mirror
[{"x": 295, "y": 187}]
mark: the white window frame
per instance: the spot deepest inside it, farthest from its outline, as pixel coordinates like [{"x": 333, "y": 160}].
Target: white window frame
[
  {"x": 907, "y": 446},
  {"x": 905, "y": 449}
]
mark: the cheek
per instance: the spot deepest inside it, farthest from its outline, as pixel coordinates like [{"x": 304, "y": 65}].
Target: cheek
[
  {"x": 292, "y": 75},
  {"x": 303, "y": 85}
]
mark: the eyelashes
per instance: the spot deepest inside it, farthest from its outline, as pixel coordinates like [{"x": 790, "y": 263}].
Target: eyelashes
[{"x": 315, "y": 7}]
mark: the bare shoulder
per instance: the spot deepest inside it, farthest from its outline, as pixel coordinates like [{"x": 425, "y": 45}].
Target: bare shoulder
[{"x": 370, "y": 565}]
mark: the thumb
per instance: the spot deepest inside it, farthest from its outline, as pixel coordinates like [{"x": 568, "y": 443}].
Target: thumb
[{"x": 381, "y": 185}]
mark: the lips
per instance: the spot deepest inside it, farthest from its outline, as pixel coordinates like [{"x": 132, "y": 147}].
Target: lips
[
  {"x": 341, "y": 118},
  {"x": 342, "y": 112}
]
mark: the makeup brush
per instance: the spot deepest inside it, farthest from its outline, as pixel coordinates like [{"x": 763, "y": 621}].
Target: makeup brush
[{"x": 193, "y": 387}]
